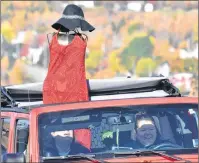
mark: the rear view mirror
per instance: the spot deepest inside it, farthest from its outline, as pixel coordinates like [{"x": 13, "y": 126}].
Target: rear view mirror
[
  {"x": 14, "y": 157},
  {"x": 119, "y": 120}
]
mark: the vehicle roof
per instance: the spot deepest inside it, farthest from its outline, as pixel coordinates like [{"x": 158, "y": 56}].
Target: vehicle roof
[
  {"x": 30, "y": 95},
  {"x": 153, "y": 94},
  {"x": 141, "y": 87},
  {"x": 15, "y": 109},
  {"x": 97, "y": 85},
  {"x": 159, "y": 100}
]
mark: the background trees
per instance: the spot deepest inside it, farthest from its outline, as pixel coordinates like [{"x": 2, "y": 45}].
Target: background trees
[{"x": 123, "y": 42}]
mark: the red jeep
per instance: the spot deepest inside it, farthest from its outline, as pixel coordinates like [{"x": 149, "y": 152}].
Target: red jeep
[{"x": 126, "y": 120}]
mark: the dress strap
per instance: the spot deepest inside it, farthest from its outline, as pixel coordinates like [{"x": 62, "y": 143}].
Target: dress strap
[
  {"x": 84, "y": 39},
  {"x": 53, "y": 34},
  {"x": 51, "y": 37},
  {"x": 58, "y": 31},
  {"x": 81, "y": 35}
]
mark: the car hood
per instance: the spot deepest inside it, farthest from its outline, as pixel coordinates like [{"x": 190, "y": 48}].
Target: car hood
[
  {"x": 190, "y": 157},
  {"x": 152, "y": 159}
]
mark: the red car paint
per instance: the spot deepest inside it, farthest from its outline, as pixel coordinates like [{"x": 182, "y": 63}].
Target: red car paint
[
  {"x": 13, "y": 117},
  {"x": 192, "y": 158},
  {"x": 34, "y": 113}
]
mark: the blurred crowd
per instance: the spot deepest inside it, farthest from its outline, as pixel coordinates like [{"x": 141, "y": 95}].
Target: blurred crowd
[{"x": 132, "y": 38}]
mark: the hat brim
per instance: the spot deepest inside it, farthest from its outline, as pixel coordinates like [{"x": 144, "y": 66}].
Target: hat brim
[{"x": 71, "y": 24}]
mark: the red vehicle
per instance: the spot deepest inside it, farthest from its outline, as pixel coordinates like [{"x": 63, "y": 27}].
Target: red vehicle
[{"x": 126, "y": 120}]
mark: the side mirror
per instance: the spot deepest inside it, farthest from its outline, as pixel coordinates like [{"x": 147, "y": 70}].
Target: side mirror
[{"x": 14, "y": 157}]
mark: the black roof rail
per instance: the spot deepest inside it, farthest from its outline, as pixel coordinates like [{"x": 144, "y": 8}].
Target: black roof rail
[
  {"x": 6, "y": 98},
  {"x": 33, "y": 92},
  {"x": 169, "y": 88},
  {"x": 15, "y": 109}
]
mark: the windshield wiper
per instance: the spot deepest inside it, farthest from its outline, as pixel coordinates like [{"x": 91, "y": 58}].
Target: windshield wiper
[
  {"x": 149, "y": 152},
  {"x": 74, "y": 157}
]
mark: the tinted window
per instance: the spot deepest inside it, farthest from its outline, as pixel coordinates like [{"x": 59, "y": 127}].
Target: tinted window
[
  {"x": 22, "y": 133},
  {"x": 5, "y": 123},
  {"x": 157, "y": 127}
]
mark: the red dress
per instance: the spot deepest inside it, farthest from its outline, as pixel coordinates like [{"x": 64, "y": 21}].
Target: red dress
[{"x": 66, "y": 78}]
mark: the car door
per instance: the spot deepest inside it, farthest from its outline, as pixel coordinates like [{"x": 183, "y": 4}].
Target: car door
[
  {"x": 9, "y": 124},
  {"x": 6, "y": 131},
  {"x": 21, "y": 133}
]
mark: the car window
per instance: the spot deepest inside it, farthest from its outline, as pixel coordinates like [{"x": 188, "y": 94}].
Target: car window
[
  {"x": 5, "y": 123},
  {"x": 22, "y": 133},
  {"x": 157, "y": 127}
]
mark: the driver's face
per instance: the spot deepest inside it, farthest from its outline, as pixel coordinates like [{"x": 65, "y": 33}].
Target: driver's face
[
  {"x": 146, "y": 132},
  {"x": 65, "y": 133},
  {"x": 63, "y": 140}
]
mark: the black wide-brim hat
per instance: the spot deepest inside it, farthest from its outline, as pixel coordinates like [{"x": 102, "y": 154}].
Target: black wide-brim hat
[{"x": 72, "y": 18}]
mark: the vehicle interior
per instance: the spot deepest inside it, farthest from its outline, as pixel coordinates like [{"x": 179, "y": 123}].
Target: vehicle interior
[
  {"x": 170, "y": 126},
  {"x": 22, "y": 135}
]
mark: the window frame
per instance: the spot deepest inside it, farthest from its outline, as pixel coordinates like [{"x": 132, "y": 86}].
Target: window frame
[
  {"x": 10, "y": 119},
  {"x": 15, "y": 134}
]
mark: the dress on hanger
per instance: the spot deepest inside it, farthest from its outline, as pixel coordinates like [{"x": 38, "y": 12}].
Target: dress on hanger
[{"x": 66, "y": 78}]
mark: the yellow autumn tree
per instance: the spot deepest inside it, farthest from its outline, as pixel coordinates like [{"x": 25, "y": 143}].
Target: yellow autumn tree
[
  {"x": 21, "y": 5},
  {"x": 104, "y": 74},
  {"x": 8, "y": 31},
  {"x": 95, "y": 55},
  {"x": 114, "y": 61},
  {"x": 162, "y": 49},
  {"x": 145, "y": 66},
  {"x": 18, "y": 20},
  {"x": 95, "y": 43},
  {"x": 177, "y": 65},
  {"x": 93, "y": 59},
  {"x": 17, "y": 74},
  {"x": 195, "y": 30},
  {"x": 4, "y": 6},
  {"x": 4, "y": 63}
]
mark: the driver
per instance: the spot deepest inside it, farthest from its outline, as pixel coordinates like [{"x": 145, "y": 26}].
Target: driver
[
  {"x": 65, "y": 144},
  {"x": 145, "y": 132}
]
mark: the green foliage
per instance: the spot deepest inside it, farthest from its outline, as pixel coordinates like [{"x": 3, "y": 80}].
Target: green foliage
[
  {"x": 129, "y": 61},
  {"x": 133, "y": 27},
  {"x": 138, "y": 47},
  {"x": 145, "y": 66},
  {"x": 141, "y": 47},
  {"x": 191, "y": 65}
]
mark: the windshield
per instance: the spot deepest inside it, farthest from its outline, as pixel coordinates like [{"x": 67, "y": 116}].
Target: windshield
[{"x": 156, "y": 127}]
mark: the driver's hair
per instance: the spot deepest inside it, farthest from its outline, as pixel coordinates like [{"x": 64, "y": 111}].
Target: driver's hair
[{"x": 143, "y": 116}]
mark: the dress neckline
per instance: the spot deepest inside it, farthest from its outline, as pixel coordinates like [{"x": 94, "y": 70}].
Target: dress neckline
[
  {"x": 56, "y": 38},
  {"x": 73, "y": 41}
]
